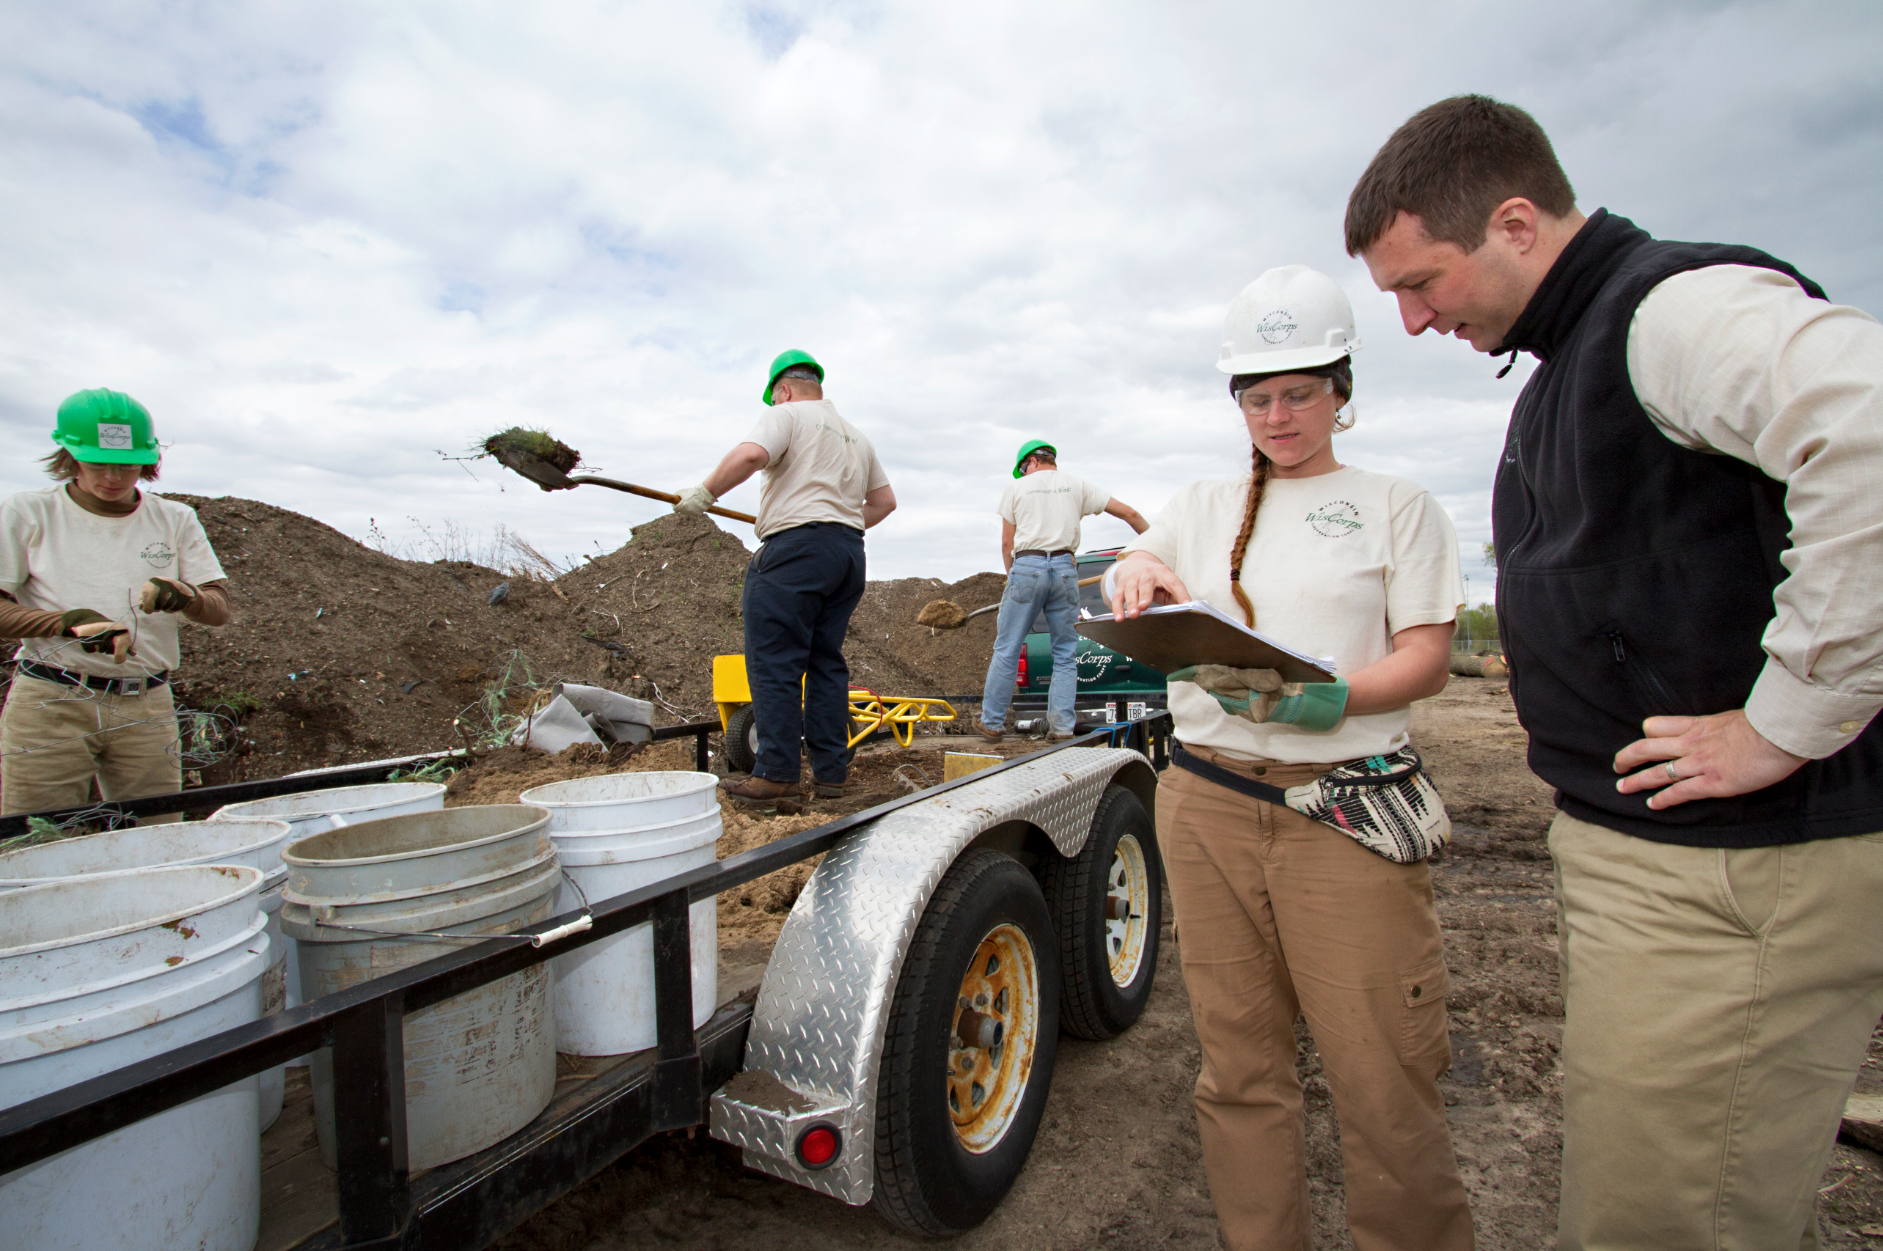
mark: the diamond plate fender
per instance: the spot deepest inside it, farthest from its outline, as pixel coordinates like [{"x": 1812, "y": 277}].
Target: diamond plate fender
[{"x": 822, "y": 1009}]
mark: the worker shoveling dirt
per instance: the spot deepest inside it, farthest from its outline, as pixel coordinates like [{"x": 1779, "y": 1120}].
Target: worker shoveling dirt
[{"x": 547, "y": 461}]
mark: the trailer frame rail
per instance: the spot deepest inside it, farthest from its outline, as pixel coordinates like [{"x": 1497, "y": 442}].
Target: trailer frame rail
[{"x": 472, "y": 1202}]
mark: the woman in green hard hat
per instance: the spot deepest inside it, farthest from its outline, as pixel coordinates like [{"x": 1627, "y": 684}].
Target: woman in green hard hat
[{"x": 93, "y": 575}]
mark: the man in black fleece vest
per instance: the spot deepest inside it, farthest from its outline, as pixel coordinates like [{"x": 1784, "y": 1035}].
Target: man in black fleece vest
[{"x": 1690, "y": 587}]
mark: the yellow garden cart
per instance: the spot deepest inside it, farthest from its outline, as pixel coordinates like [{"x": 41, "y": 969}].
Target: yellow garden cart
[{"x": 869, "y": 713}]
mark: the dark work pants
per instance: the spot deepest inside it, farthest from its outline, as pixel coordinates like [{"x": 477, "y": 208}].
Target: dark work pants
[{"x": 800, "y": 590}]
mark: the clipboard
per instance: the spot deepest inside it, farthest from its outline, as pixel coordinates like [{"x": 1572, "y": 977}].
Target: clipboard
[{"x": 1169, "y": 637}]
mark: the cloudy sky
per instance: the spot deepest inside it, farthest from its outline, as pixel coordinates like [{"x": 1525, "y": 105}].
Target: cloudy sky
[{"x": 326, "y": 242}]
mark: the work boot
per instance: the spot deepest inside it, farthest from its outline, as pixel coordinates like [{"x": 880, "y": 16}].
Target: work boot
[
  {"x": 828, "y": 790},
  {"x": 1060, "y": 736},
  {"x": 758, "y": 790},
  {"x": 991, "y": 733}
]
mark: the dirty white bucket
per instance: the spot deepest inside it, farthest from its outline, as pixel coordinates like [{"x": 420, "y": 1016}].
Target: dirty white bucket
[
  {"x": 310, "y": 812},
  {"x": 101, "y": 971},
  {"x": 612, "y": 834},
  {"x": 253, "y": 842},
  {"x": 481, "y": 1065}
]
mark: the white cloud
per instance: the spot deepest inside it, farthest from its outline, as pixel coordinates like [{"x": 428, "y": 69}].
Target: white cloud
[{"x": 322, "y": 242}]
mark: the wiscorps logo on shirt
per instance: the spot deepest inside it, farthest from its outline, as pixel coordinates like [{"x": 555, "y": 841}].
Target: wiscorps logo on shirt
[
  {"x": 1336, "y": 519},
  {"x": 158, "y": 555}
]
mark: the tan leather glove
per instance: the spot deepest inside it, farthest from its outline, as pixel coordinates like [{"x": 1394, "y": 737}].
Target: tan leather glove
[
  {"x": 695, "y": 501},
  {"x": 1246, "y": 693},
  {"x": 166, "y": 595},
  {"x": 1260, "y": 695},
  {"x": 98, "y": 637}
]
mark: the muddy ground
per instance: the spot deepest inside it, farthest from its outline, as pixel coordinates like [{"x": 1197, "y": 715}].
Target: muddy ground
[{"x": 1117, "y": 1161}]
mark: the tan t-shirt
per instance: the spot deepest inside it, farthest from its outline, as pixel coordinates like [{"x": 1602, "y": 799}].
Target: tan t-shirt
[
  {"x": 54, "y": 555},
  {"x": 1338, "y": 564},
  {"x": 821, "y": 467},
  {"x": 1045, "y": 507}
]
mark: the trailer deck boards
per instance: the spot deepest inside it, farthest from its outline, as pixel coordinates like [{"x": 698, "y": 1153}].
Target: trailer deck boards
[{"x": 301, "y": 1195}]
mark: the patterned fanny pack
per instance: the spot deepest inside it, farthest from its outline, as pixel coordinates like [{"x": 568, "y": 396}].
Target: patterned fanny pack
[{"x": 1384, "y": 803}]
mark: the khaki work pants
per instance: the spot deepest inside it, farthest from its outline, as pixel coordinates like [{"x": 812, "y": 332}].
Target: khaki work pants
[
  {"x": 1282, "y": 916},
  {"x": 1719, "y": 1004},
  {"x": 55, "y": 739}
]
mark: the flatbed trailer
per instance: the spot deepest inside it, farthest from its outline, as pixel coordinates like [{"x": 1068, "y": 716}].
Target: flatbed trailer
[{"x": 813, "y": 1035}]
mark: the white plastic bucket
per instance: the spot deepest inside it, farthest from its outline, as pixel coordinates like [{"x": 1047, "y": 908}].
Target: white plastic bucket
[
  {"x": 255, "y": 841},
  {"x": 481, "y": 1065},
  {"x": 310, "y": 812},
  {"x": 613, "y": 834},
  {"x": 101, "y": 971}
]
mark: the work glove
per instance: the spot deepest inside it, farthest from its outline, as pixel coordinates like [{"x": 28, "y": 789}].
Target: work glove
[
  {"x": 166, "y": 595},
  {"x": 1260, "y": 695},
  {"x": 97, "y": 633},
  {"x": 696, "y": 501}
]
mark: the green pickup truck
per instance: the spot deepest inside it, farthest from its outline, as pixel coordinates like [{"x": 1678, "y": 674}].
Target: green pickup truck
[{"x": 1111, "y": 687}]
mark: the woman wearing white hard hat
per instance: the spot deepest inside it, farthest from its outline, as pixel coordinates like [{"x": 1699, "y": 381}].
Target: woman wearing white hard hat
[{"x": 1295, "y": 826}]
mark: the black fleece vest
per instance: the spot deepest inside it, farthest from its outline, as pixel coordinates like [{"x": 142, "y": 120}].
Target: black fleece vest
[{"x": 1635, "y": 576}]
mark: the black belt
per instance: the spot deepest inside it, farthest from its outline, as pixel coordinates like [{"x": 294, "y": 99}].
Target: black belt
[
  {"x": 1229, "y": 779},
  {"x": 112, "y": 686},
  {"x": 1034, "y": 551}
]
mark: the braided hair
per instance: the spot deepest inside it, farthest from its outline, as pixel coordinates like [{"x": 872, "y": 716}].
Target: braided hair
[
  {"x": 1341, "y": 371},
  {"x": 1258, "y": 486}
]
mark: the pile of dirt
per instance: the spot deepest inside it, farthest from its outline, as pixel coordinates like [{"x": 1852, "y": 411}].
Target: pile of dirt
[
  {"x": 925, "y": 661},
  {"x": 340, "y": 653}
]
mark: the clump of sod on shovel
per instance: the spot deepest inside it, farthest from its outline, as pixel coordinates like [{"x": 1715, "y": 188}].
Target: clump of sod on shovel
[
  {"x": 517, "y": 443},
  {"x": 945, "y": 614},
  {"x": 942, "y": 614},
  {"x": 546, "y": 461}
]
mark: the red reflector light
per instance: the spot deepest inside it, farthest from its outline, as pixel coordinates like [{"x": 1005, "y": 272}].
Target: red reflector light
[
  {"x": 1021, "y": 679},
  {"x": 818, "y": 1146}
]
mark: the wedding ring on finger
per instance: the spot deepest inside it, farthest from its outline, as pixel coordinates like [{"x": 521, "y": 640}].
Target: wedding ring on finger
[{"x": 1671, "y": 775}]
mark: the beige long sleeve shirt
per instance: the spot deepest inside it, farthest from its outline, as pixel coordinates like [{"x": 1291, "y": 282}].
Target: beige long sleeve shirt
[{"x": 1739, "y": 360}]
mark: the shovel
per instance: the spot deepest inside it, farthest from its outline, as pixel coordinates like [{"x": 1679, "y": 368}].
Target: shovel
[
  {"x": 945, "y": 614},
  {"x": 550, "y": 478}
]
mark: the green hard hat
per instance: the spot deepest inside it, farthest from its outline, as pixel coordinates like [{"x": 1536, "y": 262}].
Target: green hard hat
[
  {"x": 784, "y": 361},
  {"x": 1027, "y": 449},
  {"x": 103, "y": 427}
]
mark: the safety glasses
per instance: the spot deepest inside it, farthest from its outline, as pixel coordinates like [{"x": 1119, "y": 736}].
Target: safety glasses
[{"x": 1258, "y": 402}]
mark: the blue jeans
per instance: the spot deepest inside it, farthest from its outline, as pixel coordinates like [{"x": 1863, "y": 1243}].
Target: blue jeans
[
  {"x": 800, "y": 590},
  {"x": 1036, "y": 583}
]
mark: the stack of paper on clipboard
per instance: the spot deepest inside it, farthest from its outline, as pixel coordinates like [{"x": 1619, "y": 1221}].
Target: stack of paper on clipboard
[{"x": 1169, "y": 637}]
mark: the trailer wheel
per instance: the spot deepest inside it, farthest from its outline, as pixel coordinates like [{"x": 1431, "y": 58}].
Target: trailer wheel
[
  {"x": 1107, "y": 905},
  {"x": 968, "y": 1050},
  {"x": 742, "y": 740}
]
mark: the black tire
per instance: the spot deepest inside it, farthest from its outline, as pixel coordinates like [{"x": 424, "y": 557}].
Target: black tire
[
  {"x": 1107, "y": 972},
  {"x": 742, "y": 740},
  {"x": 934, "y": 1175}
]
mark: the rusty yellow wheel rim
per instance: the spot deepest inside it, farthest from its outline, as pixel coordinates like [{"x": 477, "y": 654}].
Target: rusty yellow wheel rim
[
  {"x": 986, "y": 1083},
  {"x": 1127, "y": 903}
]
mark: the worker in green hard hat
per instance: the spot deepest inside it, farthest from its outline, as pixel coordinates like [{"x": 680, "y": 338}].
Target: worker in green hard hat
[
  {"x": 823, "y": 487},
  {"x": 94, "y": 573},
  {"x": 1039, "y": 532}
]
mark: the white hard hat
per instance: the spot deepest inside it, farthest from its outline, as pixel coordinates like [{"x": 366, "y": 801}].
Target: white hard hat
[{"x": 1290, "y": 318}]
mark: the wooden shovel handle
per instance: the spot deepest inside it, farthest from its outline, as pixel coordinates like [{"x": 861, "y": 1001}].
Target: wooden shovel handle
[{"x": 652, "y": 494}]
